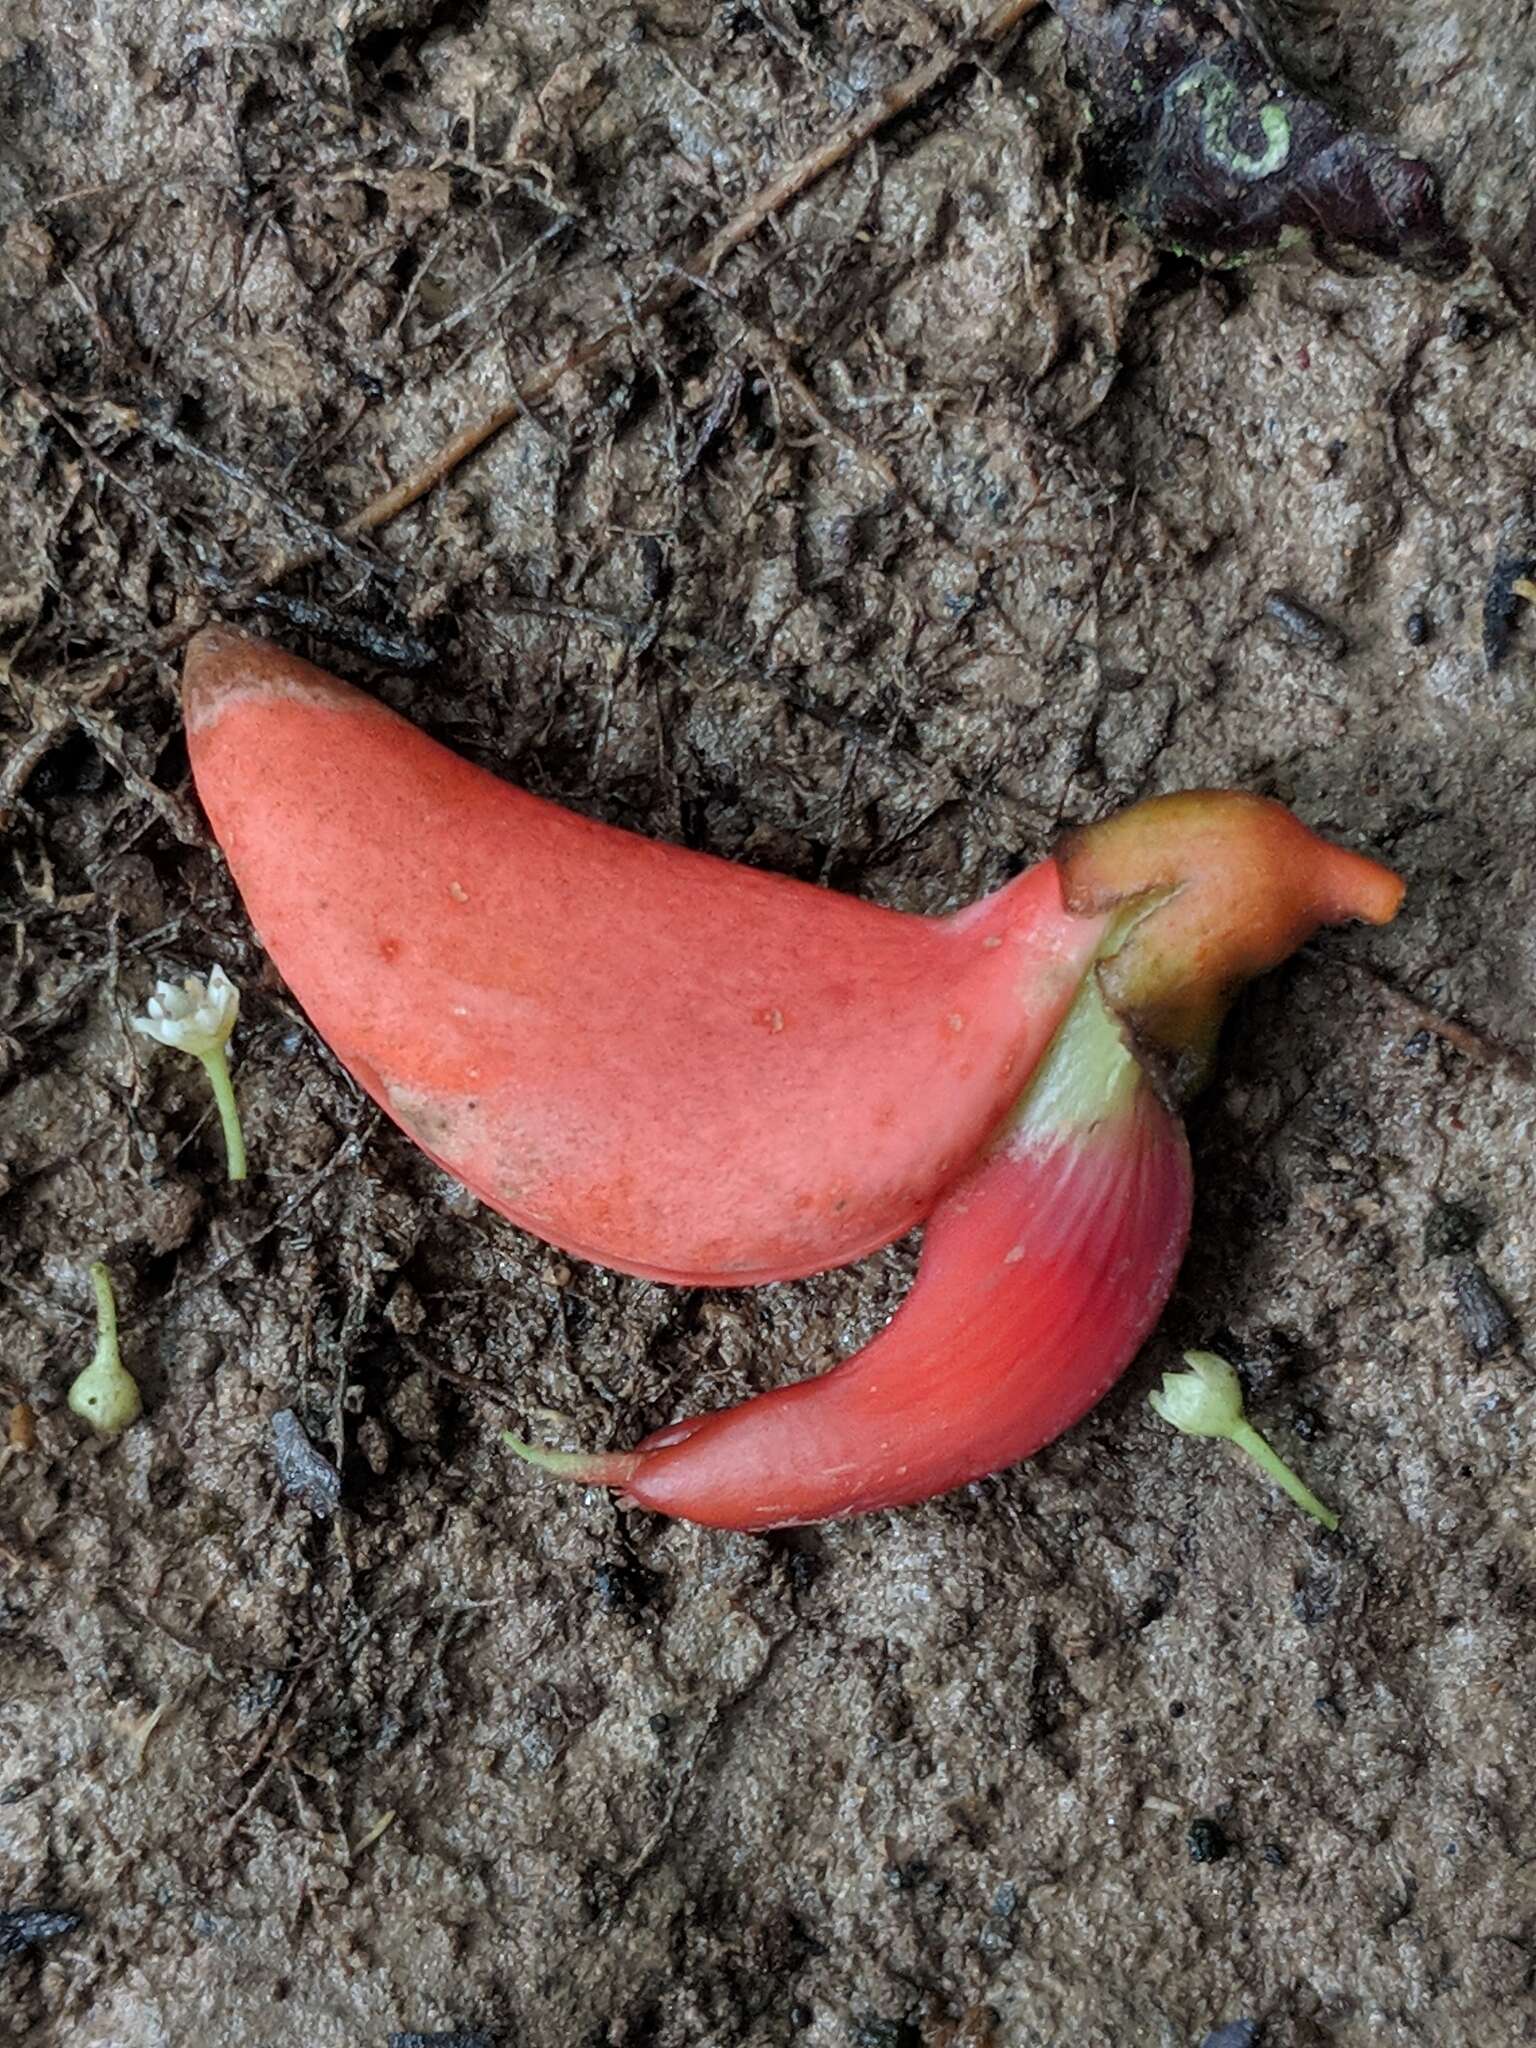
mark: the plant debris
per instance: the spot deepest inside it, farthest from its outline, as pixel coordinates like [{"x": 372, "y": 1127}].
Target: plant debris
[
  {"x": 1208, "y": 1841},
  {"x": 451, "y": 2039},
  {"x": 1306, "y": 627},
  {"x": 301, "y": 1470},
  {"x": 1512, "y": 584},
  {"x": 1485, "y": 1322},
  {"x": 23, "y": 1927},
  {"x": 1211, "y": 150}
]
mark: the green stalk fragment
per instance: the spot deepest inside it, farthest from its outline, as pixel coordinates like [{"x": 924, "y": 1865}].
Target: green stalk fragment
[
  {"x": 106, "y": 1395},
  {"x": 198, "y": 1018},
  {"x": 1208, "y": 1401},
  {"x": 589, "y": 1468}
]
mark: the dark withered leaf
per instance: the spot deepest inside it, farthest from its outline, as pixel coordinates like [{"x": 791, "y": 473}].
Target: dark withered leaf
[
  {"x": 23, "y": 1927},
  {"x": 1210, "y": 149},
  {"x": 301, "y": 1470}
]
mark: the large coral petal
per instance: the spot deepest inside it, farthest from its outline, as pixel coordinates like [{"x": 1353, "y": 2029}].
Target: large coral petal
[{"x": 670, "y": 1063}]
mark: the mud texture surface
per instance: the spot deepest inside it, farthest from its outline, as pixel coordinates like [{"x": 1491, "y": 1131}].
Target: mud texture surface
[{"x": 945, "y": 514}]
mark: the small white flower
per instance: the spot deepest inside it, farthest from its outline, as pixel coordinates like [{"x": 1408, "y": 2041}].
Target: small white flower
[
  {"x": 197, "y": 1017},
  {"x": 1205, "y": 1401}
]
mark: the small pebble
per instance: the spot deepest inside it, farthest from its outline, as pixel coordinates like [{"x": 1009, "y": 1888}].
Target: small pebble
[
  {"x": 1418, "y": 628},
  {"x": 301, "y": 1470}
]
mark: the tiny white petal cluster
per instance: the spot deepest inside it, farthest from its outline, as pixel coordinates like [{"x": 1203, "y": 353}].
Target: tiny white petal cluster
[
  {"x": 1205, "y": 1401},
  {"x": 197, "y": 1017}
]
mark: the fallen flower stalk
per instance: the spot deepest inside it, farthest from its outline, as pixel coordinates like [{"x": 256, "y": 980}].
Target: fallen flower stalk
[
  {"x": 1208, "y": 1401},
  {"x": 701, "y": 1073},
  {"x": 106, "y": 1395},
  {"x": 197, "y": 1018}
]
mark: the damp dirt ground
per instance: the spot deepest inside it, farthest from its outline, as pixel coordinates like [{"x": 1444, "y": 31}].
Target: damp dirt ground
[{"x": 944, "y": 515}]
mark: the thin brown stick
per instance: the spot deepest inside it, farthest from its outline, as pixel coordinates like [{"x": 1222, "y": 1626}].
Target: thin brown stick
[
  {"x": 770, "y": 199},
  {"x": 1480, "y": 1046}
]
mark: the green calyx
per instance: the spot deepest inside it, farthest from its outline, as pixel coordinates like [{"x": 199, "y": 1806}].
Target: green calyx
[
  {"x": 1086, "y": 1075},
  {"x": 1088, "y": 1071},
  {"x": 1208, "y": 1401}
]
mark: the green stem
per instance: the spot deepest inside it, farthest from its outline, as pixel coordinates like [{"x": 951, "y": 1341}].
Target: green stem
[
  {"x": 1247, "y": 1438},
  {"x": 589, "y": 1468},
  {"x": 106, "y": 1316},
  {"x": 229, "y": 1113}
]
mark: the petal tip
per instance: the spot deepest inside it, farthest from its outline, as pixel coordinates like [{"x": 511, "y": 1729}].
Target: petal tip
[{"x": 222, "y": 667}]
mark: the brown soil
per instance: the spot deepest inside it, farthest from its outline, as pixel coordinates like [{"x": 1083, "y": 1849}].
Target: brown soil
[{"x": 944, "y": 515}]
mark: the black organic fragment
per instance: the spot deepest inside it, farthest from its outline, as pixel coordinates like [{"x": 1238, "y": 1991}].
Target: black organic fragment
[
  {"x": 23, "y": 1927},
  {"x": 1299, "y": 622},
  {"x": 625, "y": 1588},
  {"x": 1452, "y": 1227},
  {"x": 451, "y": 2039},
  {"x": 393, "y": 649},
  {"x": 1500, "y": 604},
  {"x": 301, "y": 1470},
  {"x": 1208, "y": 1841},
  {"x": 1485, "y": 1322},
  {"x": 1212, "y": 151}
]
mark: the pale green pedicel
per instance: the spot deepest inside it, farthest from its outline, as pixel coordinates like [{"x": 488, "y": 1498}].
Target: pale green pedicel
[
  {"x": 1208, "y": 1401},
  {"x": 106, "y": 1395}
]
